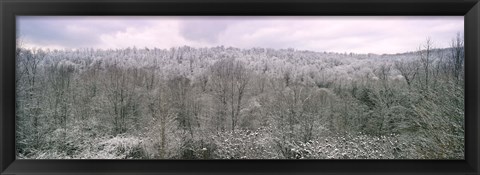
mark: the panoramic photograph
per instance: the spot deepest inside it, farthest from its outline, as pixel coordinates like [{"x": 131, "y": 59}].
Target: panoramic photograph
[{"x": 240, "y": 87}]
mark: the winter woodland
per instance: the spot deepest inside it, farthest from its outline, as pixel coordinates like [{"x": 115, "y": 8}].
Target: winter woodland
[{"x": 230, "y": 103}]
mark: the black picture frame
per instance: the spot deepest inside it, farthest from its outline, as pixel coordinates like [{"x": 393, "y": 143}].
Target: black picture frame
[{"x": 11, "y": 8}]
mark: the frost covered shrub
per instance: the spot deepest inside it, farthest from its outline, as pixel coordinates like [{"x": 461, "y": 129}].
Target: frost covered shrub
[
  {"x": 202, "y": 146},
  {"x": 162, "y": 146},
  {"x": 350, "y": 147},
  {"x": 65, "y": 144},
  {"x": 244, "y": 144},
  {"x": 118, "y": 147},
  {"x": 123, "y": 147}
]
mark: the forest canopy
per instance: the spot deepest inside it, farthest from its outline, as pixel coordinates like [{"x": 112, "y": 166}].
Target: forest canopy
[{"x": 230, "y": 103}]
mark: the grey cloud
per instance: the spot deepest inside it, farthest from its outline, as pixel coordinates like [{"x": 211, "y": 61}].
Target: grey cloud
[
  {"x": 204, "y": 29},
  {"x": 58, "y": 30},
  {"x": 45, "y": 31}
]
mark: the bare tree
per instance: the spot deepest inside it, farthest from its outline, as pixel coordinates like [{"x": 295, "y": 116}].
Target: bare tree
[
  {"x": 287, "y": 76},
  {"x": 457, "y": 56},
  {"x": 241, "y": 79},
  {"x": 382, "y": 73},
  {"x": 426, "y": 59},
  {"x": 160, "y": 112},
  {"x": 31, "y": 63},
  {"x": 229, "y": 79},
  {"x": 220, "y": 76},
  {"x": 408, "y": 70},
  {"x": 180, "y": 88},
  {"x": 20, "y": 72},
  {"x": 119, "y": 96}
]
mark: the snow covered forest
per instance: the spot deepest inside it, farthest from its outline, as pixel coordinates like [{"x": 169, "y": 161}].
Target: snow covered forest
[{"x": 230, "y": 103}]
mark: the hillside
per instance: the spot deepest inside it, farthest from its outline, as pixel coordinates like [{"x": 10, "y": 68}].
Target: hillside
[{"x": 230, "y": 103}]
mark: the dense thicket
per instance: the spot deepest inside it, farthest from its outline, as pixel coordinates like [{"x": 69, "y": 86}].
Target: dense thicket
[{"x": 229, "y": 103}]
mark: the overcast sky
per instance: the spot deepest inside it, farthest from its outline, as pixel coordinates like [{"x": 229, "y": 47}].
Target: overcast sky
[{"x": 331, "y": 34}]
